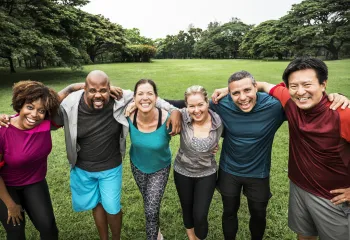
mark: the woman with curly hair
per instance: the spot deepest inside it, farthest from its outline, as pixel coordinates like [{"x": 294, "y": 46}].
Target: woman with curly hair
[{"x": 24, "y": 147}]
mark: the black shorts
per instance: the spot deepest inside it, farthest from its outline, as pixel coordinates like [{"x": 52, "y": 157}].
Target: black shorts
[{"x": 255, "y": 189}]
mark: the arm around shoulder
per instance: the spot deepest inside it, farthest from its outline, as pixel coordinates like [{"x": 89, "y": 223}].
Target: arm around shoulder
[{"x": 264, "y": 86}]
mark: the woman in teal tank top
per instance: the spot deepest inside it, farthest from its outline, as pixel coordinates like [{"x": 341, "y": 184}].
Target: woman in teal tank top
[{"x": 149, "y": 152}]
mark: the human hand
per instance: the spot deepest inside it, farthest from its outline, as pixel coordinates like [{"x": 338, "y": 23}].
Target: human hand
[
  {"x": 343, "y": 196},
  {"x": 338, "y": 100},
  {"x": 130, "y": 109},
  {"x": 216, "y": 149},
  {"x": 14, "y": 214},
  {"x": 116, "y": 92},
  {"x": 4, "y": 120},
  {"x": 175, "y": 120},
  {"x": 218, "y": 94}
]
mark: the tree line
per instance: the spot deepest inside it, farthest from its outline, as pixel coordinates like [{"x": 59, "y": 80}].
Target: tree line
[
  {"x": 41, "y": 33},
  {"x": 312, "y": 27}
]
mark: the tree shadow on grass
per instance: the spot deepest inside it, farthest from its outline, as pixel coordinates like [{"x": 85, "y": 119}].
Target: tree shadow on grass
[{"x": 52, "y": 76}]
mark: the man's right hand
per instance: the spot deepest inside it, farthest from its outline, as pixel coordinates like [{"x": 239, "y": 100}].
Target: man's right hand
[
  {"x": 4, "y": 120},
  {"x": 14, "y": 213},
  {"x": 218, "y": 94}
]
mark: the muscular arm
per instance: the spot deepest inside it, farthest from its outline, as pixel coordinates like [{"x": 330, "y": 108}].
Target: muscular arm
[{"x": 69, "y": 89}]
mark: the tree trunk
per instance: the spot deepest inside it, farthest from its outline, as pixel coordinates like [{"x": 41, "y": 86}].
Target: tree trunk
[
  {"x": 92, "y": 58},
  {"x": 12, "y": 67}
]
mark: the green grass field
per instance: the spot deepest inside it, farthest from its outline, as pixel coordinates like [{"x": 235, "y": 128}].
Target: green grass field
[{"x": 172, "y": 78}]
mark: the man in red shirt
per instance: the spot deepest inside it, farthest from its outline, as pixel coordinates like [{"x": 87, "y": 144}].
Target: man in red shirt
[{"x": 319, "y": 152}]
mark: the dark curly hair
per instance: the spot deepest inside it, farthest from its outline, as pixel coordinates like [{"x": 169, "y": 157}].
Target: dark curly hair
[{"x": 30, "y": 91}]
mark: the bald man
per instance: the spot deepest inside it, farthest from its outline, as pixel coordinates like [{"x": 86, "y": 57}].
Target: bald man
[{"x": 95, "y": 133}]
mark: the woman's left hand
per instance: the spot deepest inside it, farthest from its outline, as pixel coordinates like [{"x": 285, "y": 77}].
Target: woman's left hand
[{"x": 344, "y": 196}]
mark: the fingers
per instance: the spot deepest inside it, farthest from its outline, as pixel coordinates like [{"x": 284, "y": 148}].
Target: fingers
[
  {"x": 341, "y": 190},
  {"x": 168, "y": 124},
  {"x": 214, "y": 97},
  {"x": 339, "y": 199},
  {"x": 338, "y": 100},
  {"x": 346, "y": 104},
  {"x": 4, "y": 120},
  {"x": 331, "y": 97}
]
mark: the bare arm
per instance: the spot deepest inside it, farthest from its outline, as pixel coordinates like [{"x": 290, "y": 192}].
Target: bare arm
[
  {"x": 264, "y": 86},
  {"x": 14, "y": 210},
  {"x": 69, "y": 89}
]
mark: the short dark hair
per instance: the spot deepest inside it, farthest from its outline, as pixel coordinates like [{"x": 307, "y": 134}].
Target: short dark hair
[
  {"x": 240, "y": 75},
  {"x": 143, "y": 81},
  {"x": 303, "y": 63},
  {"x": 30, "y": 91}
]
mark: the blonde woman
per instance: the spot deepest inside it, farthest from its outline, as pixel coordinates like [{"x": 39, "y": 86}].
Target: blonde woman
[{"x": 195, "y": 166}]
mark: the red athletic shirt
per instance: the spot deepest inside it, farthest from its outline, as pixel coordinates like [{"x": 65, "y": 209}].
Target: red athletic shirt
[{"x": 319, "y": 145}]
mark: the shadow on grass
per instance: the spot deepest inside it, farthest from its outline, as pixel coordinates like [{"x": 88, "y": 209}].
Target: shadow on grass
[{"x": 50, "y": 76}]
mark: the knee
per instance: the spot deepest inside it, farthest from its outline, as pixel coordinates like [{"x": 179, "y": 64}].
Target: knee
[
  {"x": 200, "y": 219},
  {"x": 151, "y": 214},
  {"x": 48, "y": 228},
  {"x": 258, "y": 210}
]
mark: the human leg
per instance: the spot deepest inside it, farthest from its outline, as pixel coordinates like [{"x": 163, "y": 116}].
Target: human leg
[
  {"x": 229, "y": 216},
  {"x": 257, "y": 223},
  {"x": 258, "y": 193},
  {"x": 230, "y": 188},
  {"x": 37, "y": 204},
  {"x": 12, "y": 232},
  {"x": 101, "y": 222},
  {"x": 86, "y": 196},
  {"x": 110, "y": 185},
  {"x": 156, "y": 184},
  {"x": 185, "y": 189},
  {"x": 203, "y": 193}
]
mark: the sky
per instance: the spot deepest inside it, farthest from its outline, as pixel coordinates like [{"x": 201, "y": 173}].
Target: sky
[{"x": 158, "y": 18}]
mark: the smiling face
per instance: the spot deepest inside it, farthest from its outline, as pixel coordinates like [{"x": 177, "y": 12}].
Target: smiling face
[
  {"x": 305, "y": 89},
  {"x": 31, "y": 115},
  {"x": 97, "y": 91},
  {"x": 145, "y": 98},
  {"x": 197, "y": 107},
  {"x": 243, "y": 93}
]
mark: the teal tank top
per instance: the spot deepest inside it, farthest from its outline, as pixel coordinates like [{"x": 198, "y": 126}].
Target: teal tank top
[{"x": 150, "y": 152}]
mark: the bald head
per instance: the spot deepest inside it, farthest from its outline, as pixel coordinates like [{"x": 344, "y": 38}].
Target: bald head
[
  {"x": 97, "y": 89},
  {"x": 97, "y": 77}
]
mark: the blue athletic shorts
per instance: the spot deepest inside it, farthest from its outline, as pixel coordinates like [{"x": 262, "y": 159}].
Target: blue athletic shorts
[{"x": 91, "y": 188}]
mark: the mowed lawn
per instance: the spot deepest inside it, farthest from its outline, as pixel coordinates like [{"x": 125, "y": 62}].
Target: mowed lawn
[{"x": 172, "y": 78}]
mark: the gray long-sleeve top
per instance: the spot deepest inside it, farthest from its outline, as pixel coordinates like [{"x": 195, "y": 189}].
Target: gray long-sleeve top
[{"x": 195, "y": 157}]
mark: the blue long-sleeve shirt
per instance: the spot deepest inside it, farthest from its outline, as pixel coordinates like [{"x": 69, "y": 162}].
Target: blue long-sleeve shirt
[{"x": 248, "y": 136}]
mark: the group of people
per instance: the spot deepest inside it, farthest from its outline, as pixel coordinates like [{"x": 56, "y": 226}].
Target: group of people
[{"x": 96, "y": 127}]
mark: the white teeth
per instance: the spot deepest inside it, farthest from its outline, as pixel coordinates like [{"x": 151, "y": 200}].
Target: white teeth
[
  {"x": 303, "y": 99},
  {"x": 31, "y": 120},
  {"x": 145, "y": 104}
]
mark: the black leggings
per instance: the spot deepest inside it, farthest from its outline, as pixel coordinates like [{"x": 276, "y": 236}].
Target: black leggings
[
  {"x": 35, "y": 200},
  {"x": 257, "y": 221},
  {"x": 195, "y": 196}
]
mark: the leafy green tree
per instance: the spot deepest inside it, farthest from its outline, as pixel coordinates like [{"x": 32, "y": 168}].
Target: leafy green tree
[
  {"x": 266, "y": 40},
  {"x": 320, "y": 24},
  {"x": 133, "y": 35},
  {"x": 107, "y": 36}
]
